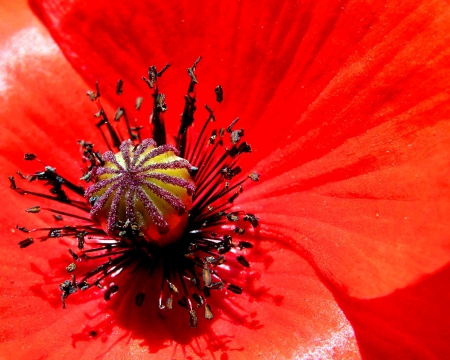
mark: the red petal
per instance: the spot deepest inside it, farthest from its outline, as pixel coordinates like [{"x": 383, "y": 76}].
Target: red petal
[
  {"x": 287, "y": 313},
  {"x": 364, "y": 87},
  {"x": 409, "y": 323},
  {"x": 362, "y": 181},
  {"x": 36, "y": 326},
  {"x": 385, "y": 83},
  {"x": 380, "y": 214},
  {"x": 288, "y": 56}
]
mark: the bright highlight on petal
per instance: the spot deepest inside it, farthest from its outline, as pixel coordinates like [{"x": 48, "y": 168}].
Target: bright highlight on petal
[{"x": 25, "y": 45}]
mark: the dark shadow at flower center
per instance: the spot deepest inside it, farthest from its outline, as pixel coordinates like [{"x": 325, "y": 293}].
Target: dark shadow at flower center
[{"x": 161, "y": 328}]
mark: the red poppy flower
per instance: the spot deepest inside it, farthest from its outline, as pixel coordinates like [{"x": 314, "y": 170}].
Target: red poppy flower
[{"x": 346, "y": 105}]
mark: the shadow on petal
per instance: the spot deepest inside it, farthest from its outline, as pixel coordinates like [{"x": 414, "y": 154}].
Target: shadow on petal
[
  {"x": 409, "y": 323},
  {"x": 155, "y": 328}
]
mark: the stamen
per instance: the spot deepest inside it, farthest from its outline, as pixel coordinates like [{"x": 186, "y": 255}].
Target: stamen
[
  {"x": 140, "y": 299},
  {"x": 208, "y": 312},
  {"x": 153, "y": 205},
  {"x": 25, "y": 243},
  {"x": 219, "y": 93},
  {"x": 242, "y": 261}
]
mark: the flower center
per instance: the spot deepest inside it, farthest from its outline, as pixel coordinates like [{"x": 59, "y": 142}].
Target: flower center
[
  {"x": 171, "y": 224},
  {"x": 146, "y": 185}
]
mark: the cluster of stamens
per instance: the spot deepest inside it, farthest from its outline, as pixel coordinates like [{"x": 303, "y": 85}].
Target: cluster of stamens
[{"x": 153, "y": 204}]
